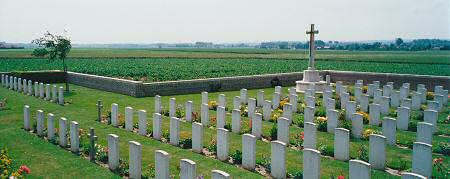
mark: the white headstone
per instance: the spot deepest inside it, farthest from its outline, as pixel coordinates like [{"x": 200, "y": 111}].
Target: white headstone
[
  {"x": 19, "y": 85},
  {"x": 158, "y": 104},
  {"x": 244, "y": 96},
  {"x": 142, "y": 122},
  {"x": 50, "y": 126},
  {"x": 330, "y": 103},
  {"x": 204, "y": 114},
  {"x": 344, "y": 98},
  {"x": 248, "y": 151},
  {"x": 220, "y": 122},
  {"x": 416, "y": 101},
  {"x": 440, "y": 99},
  {"x": 222, "y": 100},
  {"x": 422, "y": 159},
  {"x": 350, "y": 109},
  {"x": 311, "y": 163},
  {"x": 135, "y": 160},
  {"x": 384, "y": 102},
  {"x": 309, "y": 114},
  {"x": 279, "y": 89},
  {"x": 423, "y": 97},
  {"x": 278, "y": 159},
  {"x": 172, "y": 107},
  {"x": 390, "y": 130},
  {"x": 157, "y": 126},
  {"x": 54, "y": 93},
  {"x": 403, "y": 118},
  {"x": 48, "y": 94},
  {"x": 62, "y": 132},
  {"x": 267, "y": 109},
  {"x": 357, "y": 125},
  {"x": 404, "y": 92},
  {"x": 162, "y": 163},
  {"x": 433, "y": 105},
  {"x": 276, "y": 100},
  {"x": 293, "y": 99},
  {"x": 36, "y": 89},
  {"x": 359, "y": 169},
  {"x": 287, "y": 111},
  {"x": 338, "y": 87},
  {"x": 61, "y": 95},
  {"x": 74, "y": 137},
  {"x": 222, "y": 144},
  {"x": 236, "y": 121},
  {"x": 377, "y": 151},
  {"x": 257, "y": 125},
  {"x": 377, "y": 96},
  {"x": 188, "y": 169},
  {"x": 205, "y": 97},
  {"x": 341, "y": 144},
  {"x": 113, "y": 152},
  {"x": 174, "y": 131},
  {"x": 218, "y": 174},
  {"x": 364, "y": 103},
  {"x": 358, "y": 93},
  {"x": 26, "y": 117},
  {"x": 387, "y": 90},
  {"x": 251, "y": 107},
  {"x": 41, "y": 91},
  {"x": 424, "y": 133},
  {"x": 409, "y": 175},
  {"x": 236, "y": 102},
  {"x": 40, "y": 122},
  {"x": 197, "y": 137},
  {"x": 114, "y": 114},
  {"x": 189, "y": 110},
  {"x": 283, "y": 129},
  {"x": 30, "y": 88},
  {"x": 310, "y": 101},
  {"x": 260, "y": 98},
  {"x": 374, "y": 114},
  {"x": 444, "y": 93},
  {"x": 431, "y": 116},
  {"x": 310, "y": 133},
  {"x": 129, "y": 118},
  {"x": 332, "y": 120}
]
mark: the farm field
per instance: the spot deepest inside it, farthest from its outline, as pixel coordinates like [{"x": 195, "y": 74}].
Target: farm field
[
  {"x": 81, "y": 108},
  {"x": 152, "y": 65}
]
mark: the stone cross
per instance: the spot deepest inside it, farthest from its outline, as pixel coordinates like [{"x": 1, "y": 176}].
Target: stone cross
[
  {"x": 92, "y": 139},
  {"x": 312, "y": 49},
  {"x": 99, "y": 110}
]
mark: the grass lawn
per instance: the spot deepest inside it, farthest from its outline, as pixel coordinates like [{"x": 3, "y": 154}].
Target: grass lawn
[{"x": 48, "y": 160}]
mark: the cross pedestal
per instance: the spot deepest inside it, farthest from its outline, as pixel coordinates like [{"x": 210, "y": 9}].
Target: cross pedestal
[{"x": 311, "y": 78}]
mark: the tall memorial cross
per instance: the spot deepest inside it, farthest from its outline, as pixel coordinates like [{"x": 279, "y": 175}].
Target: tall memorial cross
[
  {"x": 92, "y": 139},
  {"x": 312, "y": 49}
]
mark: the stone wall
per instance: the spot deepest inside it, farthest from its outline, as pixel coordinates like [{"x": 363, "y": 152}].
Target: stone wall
[
  {"x": 350, "y": 77},
  {"x": 140, "y": 89},
  {"x": 127, "y": 87}
]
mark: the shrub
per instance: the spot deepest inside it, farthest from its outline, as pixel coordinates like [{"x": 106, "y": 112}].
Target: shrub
[
  {"x": 430, "y": 95},
  {"x": 227, "y": 126},
  {"x": 282, "y": 103},
  {"x": 212, "y": 105},
  {"x": 165, "y": 112},
  {"x": 412, "y": 126},
  {"x": 237, "y": 157},
  {"x": 341, "y": 116},
  {"x": 301, "y": 107},
  {"x": 368, "y": 132},
  {"x": 441, "y": 168},
  {"x": 364, "y": 89},
  {"x": 7, "y": 169},
  {"x": 244, "y": 110},
  {"x": 195, "y": 117},
  {"x": 298, "y": 140},
  {"x": 265, "y": 162},
  {"x": 186, "y": 143},
  {"x": 123, "y": 169},
  {"x": 120, "y": 120},
  {"x": 212, "y": 146},
  {"x": 273, "y": 132},
  {"x": 149, "y": 172},
  {"x": 321, "y": 111},
  {"x": 346, "y": 124},
  {"x": 417, "y": 115},
  {"x": 101, "y": 153},
  {"x": 362, "y": 153},
  {"x": 392, "y": 112},
  {"x": 299, "y": 120},
  {"x": 326, "y": 150},
  {"x": 295, "y": 174},
  {"x": 443, "y": 148},
  {"x": 179, "y": 111},
  {"x": 277, "y": 113},
  {"x": 365, "y": 117},
  {"x": 166, "y": 134},
  {"x": 322, "y": 123}
]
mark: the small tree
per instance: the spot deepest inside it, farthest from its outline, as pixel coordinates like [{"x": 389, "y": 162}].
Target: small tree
[
  {"x": 54, "y": 47},
  {"x": 398, "y": 42}
]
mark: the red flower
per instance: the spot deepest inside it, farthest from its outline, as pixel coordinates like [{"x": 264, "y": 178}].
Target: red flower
[
  {"x": 25, "y": 169},
  {"x": 303, "y": 135},
  {"x": 341, "y": 177}
]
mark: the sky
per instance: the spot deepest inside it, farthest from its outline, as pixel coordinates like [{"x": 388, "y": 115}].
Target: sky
[{"x": 222, "y": 21}]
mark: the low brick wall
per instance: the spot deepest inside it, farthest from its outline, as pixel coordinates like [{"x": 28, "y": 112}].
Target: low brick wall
[
  {"x": 350, "y": 77},
  {"x": 52, "y": 76},
  {"x": 140, "y": 89},
  {"x": 221, "y": 84},
  {"x": 126, "y": 87}
]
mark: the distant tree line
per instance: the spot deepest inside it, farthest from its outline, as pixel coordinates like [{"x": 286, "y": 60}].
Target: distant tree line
[{"x": 397, "y": 44}]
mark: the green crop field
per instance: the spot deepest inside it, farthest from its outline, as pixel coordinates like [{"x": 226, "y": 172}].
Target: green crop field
[{"x": 181, "y": 64}]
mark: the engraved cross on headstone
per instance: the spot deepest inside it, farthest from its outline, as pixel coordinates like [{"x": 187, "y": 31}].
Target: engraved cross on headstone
[
  {"x": 312, "y": 49},
  {"x": 92, "y": 139},
  {"x": 99, "y": 110}
]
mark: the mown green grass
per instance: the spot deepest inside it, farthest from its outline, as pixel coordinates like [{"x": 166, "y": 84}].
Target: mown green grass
[{"x": 83, "y": 110}]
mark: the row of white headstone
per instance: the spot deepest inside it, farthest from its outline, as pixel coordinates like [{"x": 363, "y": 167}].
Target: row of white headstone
[
  {"x": 187, "y": 167},
  {"x": 62, "y": 131},
  {"x": 25, "y": 86}
]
